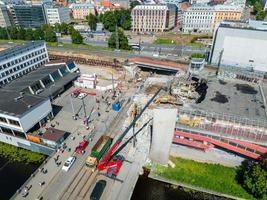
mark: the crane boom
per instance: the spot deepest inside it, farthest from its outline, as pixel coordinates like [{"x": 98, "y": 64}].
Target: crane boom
[{"x": 103, "y": 163}]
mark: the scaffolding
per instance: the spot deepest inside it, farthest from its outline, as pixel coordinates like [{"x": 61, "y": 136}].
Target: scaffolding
[{"x": 221, "y": 123}]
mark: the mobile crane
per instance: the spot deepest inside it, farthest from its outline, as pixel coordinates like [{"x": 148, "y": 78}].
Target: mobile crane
[{"x": 112, "y": 162}]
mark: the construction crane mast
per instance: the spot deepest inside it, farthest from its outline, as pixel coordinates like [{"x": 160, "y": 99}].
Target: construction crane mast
[{"x": 112, "y": 162}]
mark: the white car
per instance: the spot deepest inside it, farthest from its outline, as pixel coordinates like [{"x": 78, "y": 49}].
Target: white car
[
  {"x": 68, "y": 163},
  {"x": 82, "y": 95}
]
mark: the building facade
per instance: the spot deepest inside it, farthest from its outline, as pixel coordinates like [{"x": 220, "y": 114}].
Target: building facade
[
  {"x": 57, "y": 15},
  {"x": 26, "y": 16},
  {"x": 198, "y": 18},
  {"x": 4, "y": 18},
  {"x": 242, "y": 45},
  {"x": 153, "y": 18},
  {"x": 80, "y": 11},
  {"x": 16, "y": 62},
  {"x": 225, "y": 12}
]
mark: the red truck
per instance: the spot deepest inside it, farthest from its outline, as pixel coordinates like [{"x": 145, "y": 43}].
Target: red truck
[{"x": 82, "y": 145}]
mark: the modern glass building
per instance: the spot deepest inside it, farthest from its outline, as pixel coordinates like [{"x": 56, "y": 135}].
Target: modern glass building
[{"x": 28, "y": 15}]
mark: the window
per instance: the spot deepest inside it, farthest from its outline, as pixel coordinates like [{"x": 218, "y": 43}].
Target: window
[{"x": 2, "y": 119}]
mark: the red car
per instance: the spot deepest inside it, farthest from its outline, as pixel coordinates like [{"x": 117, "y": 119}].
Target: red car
[{"x": 82, "y": 145}]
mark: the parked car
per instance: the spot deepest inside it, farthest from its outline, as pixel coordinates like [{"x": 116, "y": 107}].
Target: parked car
[
  {"x": 75, "y": 94},
  {"x": 98, "y": 190},
  {"x": 68, "y": 163},
  {"x": 82, "y": 145},
  {"x": 82, "y": 95}
]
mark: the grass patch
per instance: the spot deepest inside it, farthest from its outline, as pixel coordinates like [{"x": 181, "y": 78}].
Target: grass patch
[
  {"x": 209, "y": 176},
  {"x": 164, "y": 41},
  {"x": 2, "y": 41},
  {"x": 17, "y": 154}
]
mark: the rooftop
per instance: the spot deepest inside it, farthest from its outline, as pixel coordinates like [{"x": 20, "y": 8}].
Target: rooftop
[
  {"x": 233, "y": 98},
  {"x": 12, "y": 103},
  {"x": 251, "y": 25},
  {"x": 11, "y": 52},
  {"x": 53, "y": 134}
]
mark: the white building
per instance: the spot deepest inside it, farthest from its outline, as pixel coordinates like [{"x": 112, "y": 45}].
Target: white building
[
  {"x": 242, "y": 45},
  {"x": 153, "y": 18},
  {"x": 21, "y": 112},
  {"x": 57, "y": 15},
  {"x": 198, "y": 18},
  {"x": 4, "y": 18},
  {"x": 20, "y": 60}
]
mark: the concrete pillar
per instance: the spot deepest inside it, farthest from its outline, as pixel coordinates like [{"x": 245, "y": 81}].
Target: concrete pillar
[{"x": 163, "y": 130}]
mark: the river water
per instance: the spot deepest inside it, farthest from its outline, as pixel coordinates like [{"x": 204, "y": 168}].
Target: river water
[
  {"x": 12, "y": 176},
  {"x": 149, "y": 189}
]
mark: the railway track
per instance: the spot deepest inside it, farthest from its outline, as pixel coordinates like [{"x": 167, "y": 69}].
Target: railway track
[{"x": 95, "y": 62}]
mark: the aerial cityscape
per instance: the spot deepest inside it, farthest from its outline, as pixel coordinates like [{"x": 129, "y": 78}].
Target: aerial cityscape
[{"x": 133, "y": 99}]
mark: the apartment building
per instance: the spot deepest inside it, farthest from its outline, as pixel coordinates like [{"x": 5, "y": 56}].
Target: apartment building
[
  {"x": 153, "y": 18},
  {"x": 4, "y": 18},
  {"x": 226, "y": 12},
  {"x": 80, "y": 11},
  {"x": 25, "y": 15},
  {"x": 198, "y": 18},
  {"x": 16, "y": 62},
  {"x": 57, "y": 14}
]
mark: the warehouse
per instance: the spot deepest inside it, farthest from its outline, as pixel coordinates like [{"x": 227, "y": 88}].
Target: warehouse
[{"x": 242, "y": 45}]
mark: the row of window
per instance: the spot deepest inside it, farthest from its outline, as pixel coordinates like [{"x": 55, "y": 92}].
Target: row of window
[
  {"x": 26, "y": 71},
  {"x": 23, "y": 65},
  {"x": 9, "y": 121},
  {"x": 21, "y": 59},
  {"x": 198, "y": 17}
]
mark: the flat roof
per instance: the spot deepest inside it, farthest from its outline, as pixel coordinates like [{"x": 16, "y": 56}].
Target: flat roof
[
  {"x": 18, "y": 49},
  {"x": 53, "y": 134},
  {"x": 233, "y": 98},
  {"x": 10, "y": 106}
]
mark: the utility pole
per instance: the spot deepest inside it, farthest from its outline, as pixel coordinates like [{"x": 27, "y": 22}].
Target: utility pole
[
  {"x": 117, "y": 38},
  {"x": 219, "y": 62}
]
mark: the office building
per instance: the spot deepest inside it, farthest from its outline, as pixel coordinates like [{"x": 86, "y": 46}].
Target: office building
[
  {"x": 80, "y": 11},
  {"x": 198, "y": 18},
  {"x": 28, "y": 16},
  {"x": 242, "y": 45},
  {"x": 4, "y": 18},
  {"x": 57, "y": 14},
  {"x": 18, "y": 61},
  {"x": 153, "y": 18}
]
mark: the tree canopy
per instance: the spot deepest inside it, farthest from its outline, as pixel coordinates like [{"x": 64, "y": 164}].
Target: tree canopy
[
  {"x": 253, "y": 177},
  {"x": 122, "y": 40},
  {"x": 76, "y": 37},
  {"x": 92, "y": 20},
  {"x": 134, "y": 3}
]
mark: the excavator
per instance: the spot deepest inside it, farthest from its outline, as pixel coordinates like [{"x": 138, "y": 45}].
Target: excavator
[{"x": 112, "y": 161}]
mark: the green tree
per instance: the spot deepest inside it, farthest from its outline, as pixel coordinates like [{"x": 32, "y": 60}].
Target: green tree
[
  {"x": 3, "y": 33},
  {"x": 50, "y": 35},
  {"x": 64, "y": 28},
  {"x": 261, "y": 15},
  {"x": 255, "y": 181},
  {"x": 38, "y": 34},
  {"x": 13, "y": 32},
  {"x": 92, "y": 20},
  {"x": 257, "y": 7},
  {"x": 134, "y": 3},
  {"x": 21, "y": 34},
  {"x": 70, "y": 29},
  {"x": 109, "y": 21},
  {"x": 29, "y": 34},
  {"x": 76, "y": 37},
  {"x": 122, "y": 39}
]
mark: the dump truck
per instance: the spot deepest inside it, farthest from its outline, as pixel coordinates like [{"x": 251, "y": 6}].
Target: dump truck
[{"x": 98, "y": 150}]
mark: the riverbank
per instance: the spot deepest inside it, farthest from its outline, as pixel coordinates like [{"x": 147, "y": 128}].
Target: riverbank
[
  {"x": 211, "y": 178},
  {"x": 16, "y": 154}
]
